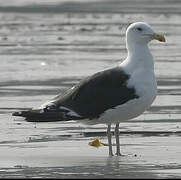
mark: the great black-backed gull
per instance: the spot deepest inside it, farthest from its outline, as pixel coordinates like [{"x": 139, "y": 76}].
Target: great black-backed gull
[{"x": 110, "y": 96}]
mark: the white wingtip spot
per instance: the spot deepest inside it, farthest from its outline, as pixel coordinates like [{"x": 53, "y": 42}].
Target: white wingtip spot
[{"x": 42, "y": 111}]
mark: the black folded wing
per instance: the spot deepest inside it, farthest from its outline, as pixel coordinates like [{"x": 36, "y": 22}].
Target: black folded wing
[{"x": 92, "y": 96}]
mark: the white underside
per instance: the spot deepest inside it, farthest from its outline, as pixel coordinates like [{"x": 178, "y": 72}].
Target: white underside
[
  {"x": 143, "y": 80},
  {"x": 129, "y": 110}
]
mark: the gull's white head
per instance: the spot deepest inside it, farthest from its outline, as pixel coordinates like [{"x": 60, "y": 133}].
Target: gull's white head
[{"x": 142, "y": 33}]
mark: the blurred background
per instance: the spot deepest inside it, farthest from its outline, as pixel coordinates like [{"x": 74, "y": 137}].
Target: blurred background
[
  {"x": 46, "y": 46},
  {"x": 49, "y": 45}
]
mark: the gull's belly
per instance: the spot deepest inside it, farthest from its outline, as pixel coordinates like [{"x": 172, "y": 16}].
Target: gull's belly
[
  {"x": 127, "y": 111},
  {"x": 146, "y": 91}
]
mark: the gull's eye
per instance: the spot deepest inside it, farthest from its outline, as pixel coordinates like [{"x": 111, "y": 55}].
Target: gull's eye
[{"x": 139, "y": 29}]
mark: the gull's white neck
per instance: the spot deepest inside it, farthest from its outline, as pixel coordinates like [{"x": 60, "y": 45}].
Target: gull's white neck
[{"x": 139, "y": 56}]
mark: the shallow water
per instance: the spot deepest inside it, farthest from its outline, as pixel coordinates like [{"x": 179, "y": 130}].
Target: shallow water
[{"x": 44, "y": 53}]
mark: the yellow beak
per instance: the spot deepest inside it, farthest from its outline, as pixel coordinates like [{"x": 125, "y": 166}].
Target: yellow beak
[{"x": 159, "y": 37}]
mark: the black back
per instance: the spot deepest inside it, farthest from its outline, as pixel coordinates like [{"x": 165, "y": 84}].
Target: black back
[{"x": 96, "y": 94}]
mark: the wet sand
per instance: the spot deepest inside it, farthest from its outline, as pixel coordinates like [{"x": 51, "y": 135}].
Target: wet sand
[{"x": 45, "y": 52}]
